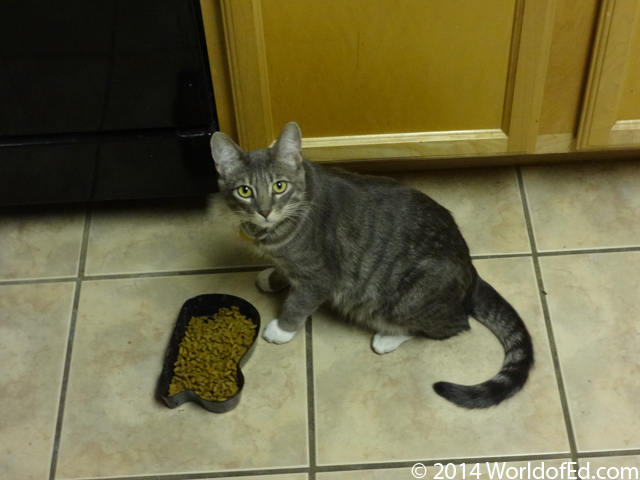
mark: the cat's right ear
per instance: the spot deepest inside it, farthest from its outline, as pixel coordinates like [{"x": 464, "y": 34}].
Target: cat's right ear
[{"x": 226, "y": 154}]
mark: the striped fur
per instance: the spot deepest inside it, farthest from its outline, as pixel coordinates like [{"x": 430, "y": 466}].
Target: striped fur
[{"x": 388, "y": 257}]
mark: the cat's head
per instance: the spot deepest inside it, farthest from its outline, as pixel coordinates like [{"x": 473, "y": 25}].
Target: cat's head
[{"x": 266, "y": 186}]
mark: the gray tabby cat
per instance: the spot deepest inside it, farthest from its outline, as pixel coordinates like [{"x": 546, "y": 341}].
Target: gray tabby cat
[{"x": 385, "y": 255}]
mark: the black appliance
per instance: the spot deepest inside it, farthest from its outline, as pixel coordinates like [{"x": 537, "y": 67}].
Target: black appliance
[{"x": 103, "y": 100}]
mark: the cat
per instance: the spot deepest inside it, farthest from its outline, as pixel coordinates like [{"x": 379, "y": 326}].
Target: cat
[{"x": 383, "y": 254}]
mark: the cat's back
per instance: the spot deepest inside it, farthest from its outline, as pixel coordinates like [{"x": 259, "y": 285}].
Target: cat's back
[
  {"x": 376, "y": 195},
  {"x": 382, "y": 210}
]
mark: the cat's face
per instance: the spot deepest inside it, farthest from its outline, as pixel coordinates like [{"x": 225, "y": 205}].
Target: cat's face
[{"x": 263, "y": 187}]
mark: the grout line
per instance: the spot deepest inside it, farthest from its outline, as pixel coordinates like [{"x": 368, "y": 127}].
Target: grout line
[
  {"x": 72, "y": 331},
  {"x": 429, "y": 463},
  {"x": 343, "y": 467},
  {"x": 257, "y": 268},
  {"x": 123, "y": 276},
  {"x": 176, "y": 273},
  {"x": 208, "y": 475},
  {"x": 547, "y": 319},
  {"x": 500, "y": 255},
  {"x": 38, "y": 281},
  {"x": 590, "y": 251},
  {"x": 610, "y": 453},
  {"x": 373, "y": 466},
  {"x": 311, "y": 401}
]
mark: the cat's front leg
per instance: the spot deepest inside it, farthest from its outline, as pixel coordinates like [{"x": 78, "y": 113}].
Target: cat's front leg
[
  {"x": 272, "y": 280},
  {"x": 300, "y": 303}
]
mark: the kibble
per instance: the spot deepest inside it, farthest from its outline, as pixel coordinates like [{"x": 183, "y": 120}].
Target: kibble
[{"x": 208, "y": 354}]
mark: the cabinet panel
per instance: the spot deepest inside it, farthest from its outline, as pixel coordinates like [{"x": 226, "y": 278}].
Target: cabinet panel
[
  {"x": 387, "y": 79},
  {"x": 611, "y": 113},
  {"x": 571, "y": 42},
  {"x": 371, "y": 67},
  {"x": 630, "y": 96}
]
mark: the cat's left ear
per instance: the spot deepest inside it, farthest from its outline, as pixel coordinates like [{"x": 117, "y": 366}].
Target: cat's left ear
[
  {"x": 226, "y": 154},
  {"x": 288, "y": 146}
]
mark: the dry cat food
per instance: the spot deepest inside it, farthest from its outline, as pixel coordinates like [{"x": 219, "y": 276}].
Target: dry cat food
[{"x": 209, "y": 353}]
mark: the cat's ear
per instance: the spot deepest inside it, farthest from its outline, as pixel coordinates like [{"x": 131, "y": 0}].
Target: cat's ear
[
  {"x": 288, "y": 146},
  {"x": 226, "y": 154}
]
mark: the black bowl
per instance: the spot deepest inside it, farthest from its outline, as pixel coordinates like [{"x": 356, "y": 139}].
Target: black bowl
[{"x": 200, "y": 306}]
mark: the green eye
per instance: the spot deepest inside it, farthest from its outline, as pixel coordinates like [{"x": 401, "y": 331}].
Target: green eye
[
  {"x": 279, "y": 187},
  {"x": 244, "y": 191}
]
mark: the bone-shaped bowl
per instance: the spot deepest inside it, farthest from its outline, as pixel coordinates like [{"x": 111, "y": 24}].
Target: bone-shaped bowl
[{"x": 200, "y": 306}]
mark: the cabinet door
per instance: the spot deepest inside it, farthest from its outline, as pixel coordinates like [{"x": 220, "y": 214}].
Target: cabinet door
[
  {"x": 369, "y": 79},
  {"x": 611, "y": 112}
]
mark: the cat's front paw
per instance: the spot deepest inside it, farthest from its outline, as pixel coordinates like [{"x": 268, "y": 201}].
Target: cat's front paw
[
  {"x": 387, "y": 343},
  {"x": 274, "y": 334}
]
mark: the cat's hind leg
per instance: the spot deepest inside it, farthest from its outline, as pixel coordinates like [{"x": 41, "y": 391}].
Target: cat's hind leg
[{"x": 388, "y": 343}]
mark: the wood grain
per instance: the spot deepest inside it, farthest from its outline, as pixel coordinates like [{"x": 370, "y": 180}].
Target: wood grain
[
  {"x": 571, "y": 42},
  {"x": 555, "y": 143},
  {"x": 630, "y": 96},
  {"x": 405, "y": 145},
  {"x": 607, "y": 72},
  {"x": 219, "y": 66},
  {"x": 533, "y": 56},
  {"x": 625, "y": 133},
  {"x": 367, "y": 67},
  {"x": 248, "y": 68}
]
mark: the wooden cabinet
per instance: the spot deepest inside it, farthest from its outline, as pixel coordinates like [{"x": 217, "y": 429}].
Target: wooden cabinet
[
  {"x": 424, "y": 79},
  {"x": 611, "y": 114}
]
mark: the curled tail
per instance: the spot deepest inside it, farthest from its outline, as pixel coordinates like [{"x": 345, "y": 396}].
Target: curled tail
[{"x": 495, "y": 313}]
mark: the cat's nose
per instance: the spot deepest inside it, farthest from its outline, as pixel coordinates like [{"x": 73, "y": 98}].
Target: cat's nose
[{"x": 264, "y": 213}]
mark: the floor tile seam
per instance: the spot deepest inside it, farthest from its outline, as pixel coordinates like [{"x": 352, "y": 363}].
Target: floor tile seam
[
  {"x": 587, "y": 251},
  {"x": 374, "y": 466},
  {"x": 257, "y": 268},
  {"x": 340, "y": 467},
  {"x": 174, "y": 273},
  {"x": 444, "y": 461},
  {"x": 85, "y": 242},
  {"x": 208, "y": 475},
  {"x": 72, "y": 330},
  {"x": 547, "y": 319},
  {"x": 610, "y": 453},
  {"x": 528, "y": 220},
  {"x": 311, "y": 420},
  {"x": 37, "y": 281},
  {"x": 491, "y": 256},
  {"x": 556, "y": 361},
  {"x": 65, "y": 382}
]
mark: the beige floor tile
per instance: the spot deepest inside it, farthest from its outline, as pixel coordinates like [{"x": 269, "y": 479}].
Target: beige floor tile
[
  {"x": 622, "y": 468},
  {"x": 34, "y": 328},
  {"x": 584, "y": 205},
  {"x": 476, "y": 471},
  {"x": 486, "y": 205},
  {"x": 162, "y": 238},
  {"x": 113, "y": 425},
  {"x": 40, "y": 242},
  {"x": 594, "y": 304},
  {"x": 286, "y": 476},
  {"x": 372, "y": 408}
]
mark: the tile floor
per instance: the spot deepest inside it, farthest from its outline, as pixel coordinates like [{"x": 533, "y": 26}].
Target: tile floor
[{"x": 88, "y": 298}]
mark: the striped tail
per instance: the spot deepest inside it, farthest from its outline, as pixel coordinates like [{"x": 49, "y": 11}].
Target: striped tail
[{"x": 495, "y": 313}]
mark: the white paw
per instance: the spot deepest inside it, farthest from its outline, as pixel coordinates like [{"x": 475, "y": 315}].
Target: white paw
[
  {"x": 274, "y": 334},
  {"x": 385, "y": 344},
  {"x": 263, "y": 280}
]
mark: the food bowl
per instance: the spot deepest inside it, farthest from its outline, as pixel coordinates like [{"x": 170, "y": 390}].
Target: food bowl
[{"x": 201, "y": 306}]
